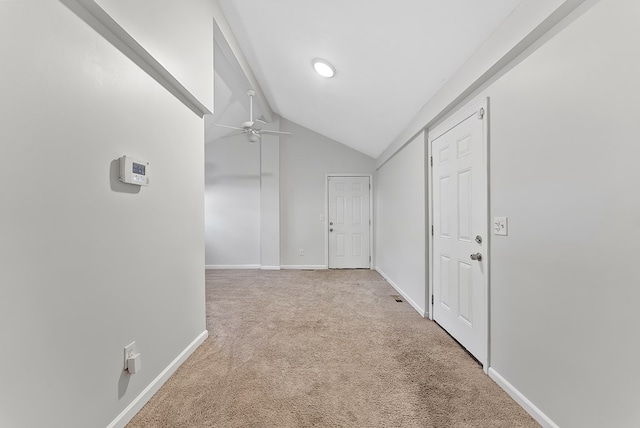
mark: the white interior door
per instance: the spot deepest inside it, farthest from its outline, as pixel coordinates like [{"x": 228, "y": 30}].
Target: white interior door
[
  {"x": 460, "y": 234},
  {"x": 348, "y": 222}
]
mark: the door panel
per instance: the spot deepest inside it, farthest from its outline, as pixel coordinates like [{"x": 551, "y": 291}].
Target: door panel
[
  {"x": 340, "y": 245},
  {"x": 445, "y": 269},
  {"x": 357, "y": 209},
  {"x": 445, "y": 226},
  {"x": 465, "y": 293},
  {"x": 341, "y": 210},
  {"x": 459, "y": 215},
  {"x": 349, "y": 222},
  {"x": 357, "y": 245},
  {"x": 464, "y": 205}
]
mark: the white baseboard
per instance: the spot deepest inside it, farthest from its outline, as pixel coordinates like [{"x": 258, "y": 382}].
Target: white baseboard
[
  {"x": 239, "y": 267},
  {"x": 137, "y": 404},
  {"x": 232, "y": 266},
  {"x": 404, "y": 295},
  {"x": 315, "y": 267},
  {"x": 527, "y": 405}
]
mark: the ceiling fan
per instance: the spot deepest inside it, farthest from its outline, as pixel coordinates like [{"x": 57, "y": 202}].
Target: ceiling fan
[{"x": 252, "y": 128}]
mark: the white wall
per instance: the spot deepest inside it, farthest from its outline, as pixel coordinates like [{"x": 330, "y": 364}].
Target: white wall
[
  {"x": 241, "y": 179},
  {"x": 400, "y": 223},
  {"x": 242, "y": 203},
  {"x": 564, "y": 151},
  {"x": 232, "y": 203},
  {"x": 305, "y": 158},
  {"x": 181, "y": 40},
  {"x": 563, "y": 154},
  {"x": 270, "y": 201},
  {"x": 528, "y": 22},
  {"x": 253, "y": 223},
  {"x": 89, "y": 264}
]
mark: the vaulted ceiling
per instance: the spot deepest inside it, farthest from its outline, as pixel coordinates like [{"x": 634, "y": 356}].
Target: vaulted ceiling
[{"x": 390, "y": 57}]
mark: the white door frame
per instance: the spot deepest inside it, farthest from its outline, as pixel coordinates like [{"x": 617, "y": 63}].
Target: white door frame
[
  {"x": 432, "y": 134},
  {"x": 326, "y": 214}
]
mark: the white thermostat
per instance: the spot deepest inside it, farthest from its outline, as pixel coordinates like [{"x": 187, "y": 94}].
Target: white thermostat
[{"x": 134, "y": 171}]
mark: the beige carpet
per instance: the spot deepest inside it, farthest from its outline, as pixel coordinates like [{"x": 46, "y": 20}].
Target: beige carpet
[{"x": 324, "y": 349}]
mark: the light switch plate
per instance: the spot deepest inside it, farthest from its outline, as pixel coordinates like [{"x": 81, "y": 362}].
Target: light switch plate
[
  {"x": 129, "y": 351},
  {"x": 500, "y": 226}
]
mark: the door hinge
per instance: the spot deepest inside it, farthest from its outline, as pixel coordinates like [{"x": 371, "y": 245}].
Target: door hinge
[
  {"x": 369, "y": 259},
  {"x": 431, "y": 160},
  {"x": 369, "y": 222},
  {"x": 431, "y": 230},
  {"x": 481, "y": 113},
  {"x": 432, "y": 299},
  {"x": 369, "y": 186}
]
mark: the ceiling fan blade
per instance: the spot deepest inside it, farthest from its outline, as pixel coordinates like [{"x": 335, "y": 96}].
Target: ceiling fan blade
[
  {"x": 233, "y": 135},
  {"x": 267, "y": 131},
  {"x": 230, "y": 127}
]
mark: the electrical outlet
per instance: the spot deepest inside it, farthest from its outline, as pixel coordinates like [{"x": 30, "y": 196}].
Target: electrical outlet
[
  {"x": 301, "y": 252},
  {"x": 129, "y": 351}
]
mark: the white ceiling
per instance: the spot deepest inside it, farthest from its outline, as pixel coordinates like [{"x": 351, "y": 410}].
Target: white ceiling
[{"x": 391, "y": 58}]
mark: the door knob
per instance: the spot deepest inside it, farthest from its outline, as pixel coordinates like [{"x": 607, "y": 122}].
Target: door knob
[
  {"x": 331, "y": 224},
  {"x": 331, "y": 230},
  {"x": 476, "y": 256}
]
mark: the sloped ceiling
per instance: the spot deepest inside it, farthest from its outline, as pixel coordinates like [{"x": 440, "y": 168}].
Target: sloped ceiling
[{"x": 391, "y": 58}]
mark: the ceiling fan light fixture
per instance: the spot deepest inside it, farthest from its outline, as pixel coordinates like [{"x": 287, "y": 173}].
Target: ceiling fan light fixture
[
  {"x": 253, "y": 138},
  {"x": 323, "y": 67}
]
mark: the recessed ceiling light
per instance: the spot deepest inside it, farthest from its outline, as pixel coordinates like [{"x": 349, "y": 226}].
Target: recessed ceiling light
[{"x": 323, "y": 67}]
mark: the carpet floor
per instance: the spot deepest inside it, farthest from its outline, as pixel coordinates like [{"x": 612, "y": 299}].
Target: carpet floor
[{"x": 326, "y": 348}]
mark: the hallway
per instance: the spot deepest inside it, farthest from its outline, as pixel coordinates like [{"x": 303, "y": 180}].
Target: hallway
[{"x": 324, "y": 348}]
